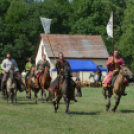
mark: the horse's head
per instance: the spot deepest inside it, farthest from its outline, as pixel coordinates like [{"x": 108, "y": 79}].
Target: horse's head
[
  {"x": 11, "y": 74},
  {"x": 66, "y": 70},
  {"x": 126, "y": 72},
  {"x": 47, "y": 70},
  {"x": 32, "y": 69}
]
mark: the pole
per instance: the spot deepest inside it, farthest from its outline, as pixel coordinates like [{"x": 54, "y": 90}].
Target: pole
[
  {"x": 52, "y": 52},
  {"x": 113, "y": 37}
]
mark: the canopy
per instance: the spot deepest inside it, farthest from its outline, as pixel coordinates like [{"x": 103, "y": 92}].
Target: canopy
[{"x": 84, "y": 65}]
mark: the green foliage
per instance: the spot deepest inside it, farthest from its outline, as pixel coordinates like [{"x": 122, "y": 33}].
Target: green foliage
[{"x": 20, "y": 25}]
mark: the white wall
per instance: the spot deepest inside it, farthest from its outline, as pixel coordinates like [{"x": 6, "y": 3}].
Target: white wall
[{"x": 39, "y": 53}]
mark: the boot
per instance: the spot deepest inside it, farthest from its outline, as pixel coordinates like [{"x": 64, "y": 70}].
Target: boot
[{"x": 124, "y": 94}]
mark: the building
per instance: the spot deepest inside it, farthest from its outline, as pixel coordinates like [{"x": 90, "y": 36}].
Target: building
[{"x": 76, "y": 47}]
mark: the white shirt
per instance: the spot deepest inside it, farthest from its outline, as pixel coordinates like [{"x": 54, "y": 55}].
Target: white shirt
[
  {"x": 9, "y": 65},
  {"x": 23, "y": 74}
]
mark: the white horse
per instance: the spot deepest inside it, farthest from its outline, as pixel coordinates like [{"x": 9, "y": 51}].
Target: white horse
[{"x": 96, "y": 77}]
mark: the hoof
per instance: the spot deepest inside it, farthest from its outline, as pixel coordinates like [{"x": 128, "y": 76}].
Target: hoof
[
  {"x": 28, "y": 97},
  {"x": 107, "y": 109},
  {"x": 55, "y": 111},
  {"x": 113, "y": 110},
  {"x": 75, "y": 100}
]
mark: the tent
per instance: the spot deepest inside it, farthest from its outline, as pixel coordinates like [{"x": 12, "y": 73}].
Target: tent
[{"x": 83, "y": 65}]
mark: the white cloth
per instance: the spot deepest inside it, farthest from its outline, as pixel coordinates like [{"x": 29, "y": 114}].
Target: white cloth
[
  {"x": 9, "y": 65},
  {"x": 110, "y": 26},
  {"x": 23, "y": 74},
  {"x": 46, "y": 24}
]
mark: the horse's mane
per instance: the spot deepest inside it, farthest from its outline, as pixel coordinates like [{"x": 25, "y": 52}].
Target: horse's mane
[{"x": 115, "y": 73}]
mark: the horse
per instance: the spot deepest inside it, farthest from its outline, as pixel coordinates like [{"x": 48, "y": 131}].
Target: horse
[
  {"x": 66, "y": 90},
  {"x": 11, "y": 88},
  {"x": 118, "y": 87},
  {"x": 96, "y": 77},
  {"x": 44, "y": 83}
]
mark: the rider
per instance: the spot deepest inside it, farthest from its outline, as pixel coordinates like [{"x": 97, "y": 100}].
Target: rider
[
  {"x": 28, "y": 64},
  {"x": 59, "y": 65},
  {"x": 39, "y": 68},
  {"x": 7, "y": 65},
  {"x": 27, "y": 67},
  {"x": 114, "y": 65}
]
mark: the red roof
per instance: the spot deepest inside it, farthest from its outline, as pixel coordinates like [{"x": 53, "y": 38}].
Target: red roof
[{"x": 74, "y": 46}]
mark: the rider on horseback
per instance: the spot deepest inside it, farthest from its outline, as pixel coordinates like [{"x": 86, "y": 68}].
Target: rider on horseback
[
  {"x": 39, "y": 69},
  {"x": 59, "y": 65},
  {"x": 7, "y": 65},
  {"x": 113, "y": 65}
]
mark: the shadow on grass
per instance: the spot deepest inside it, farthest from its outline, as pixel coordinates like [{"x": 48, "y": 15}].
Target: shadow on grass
[
  {"x": 30, "y": 103},
  {"x": 127, "y": 111},
  {"x": 85, "y": 113}
]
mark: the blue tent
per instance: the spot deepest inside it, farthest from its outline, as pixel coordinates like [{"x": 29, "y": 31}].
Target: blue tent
[{"x": 84, "y": 65}]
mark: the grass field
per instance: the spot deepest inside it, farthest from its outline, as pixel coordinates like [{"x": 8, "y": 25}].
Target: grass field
[{"x": 88, "y": 116}]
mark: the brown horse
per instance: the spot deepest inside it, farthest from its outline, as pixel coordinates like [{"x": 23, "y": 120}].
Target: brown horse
[
  {"x": 118, "y": 87},
  {"x": 78, "y": 87},
  {"x": 66, "y": 90},
  {"x": 44, "y": 82}
]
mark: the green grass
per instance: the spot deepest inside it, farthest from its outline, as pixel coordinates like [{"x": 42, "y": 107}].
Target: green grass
[{"x": 88, "y": 115}]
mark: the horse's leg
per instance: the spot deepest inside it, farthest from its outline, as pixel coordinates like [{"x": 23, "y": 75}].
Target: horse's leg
[
  {"x": 104, "y": 91},
  {"x": 55, "y": 108},
  {"x": 42, "y": 96},
  {"x": 67, "y": 104},
  {"x": 58, "y": 102},
  {"x": 8, "y": 95},
  {"x": 109, "y": 99},
  {"x": 15, "y": 95},
  {"x": 35, "y": 95},
  {"x": 117, "y": 101},
  {"x": 12, "y": 96},
  {"x": 49, "y": 96},
  {"x": 43, "y": 90},
  {"x": 68, "y": 107},
  {"x": 28, "y": 92}
]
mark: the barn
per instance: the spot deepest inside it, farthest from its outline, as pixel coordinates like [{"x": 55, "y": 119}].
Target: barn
[{"x": 75, "y": 48}]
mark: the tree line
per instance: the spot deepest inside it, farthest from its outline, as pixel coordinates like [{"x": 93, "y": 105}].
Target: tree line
[{"x": 20, "y": 25}]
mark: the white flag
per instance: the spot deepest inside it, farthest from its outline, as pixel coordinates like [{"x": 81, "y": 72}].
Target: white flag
[
  {"x": 110, "y": 26},
  {"x": 46, "y": 24}
]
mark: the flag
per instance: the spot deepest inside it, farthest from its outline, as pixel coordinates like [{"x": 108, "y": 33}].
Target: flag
[
  {"x": 46, "y": 24},
  {"x": 110, "y": 26}
]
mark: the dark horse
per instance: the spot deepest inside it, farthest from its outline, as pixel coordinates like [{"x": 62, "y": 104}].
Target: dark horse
[{"x": 66, "y": 89}]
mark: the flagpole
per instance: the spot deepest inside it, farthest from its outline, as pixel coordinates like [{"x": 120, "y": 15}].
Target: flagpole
[
  {"x": 52, "y": 51},
  {"x": 113, "y": 38}
]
